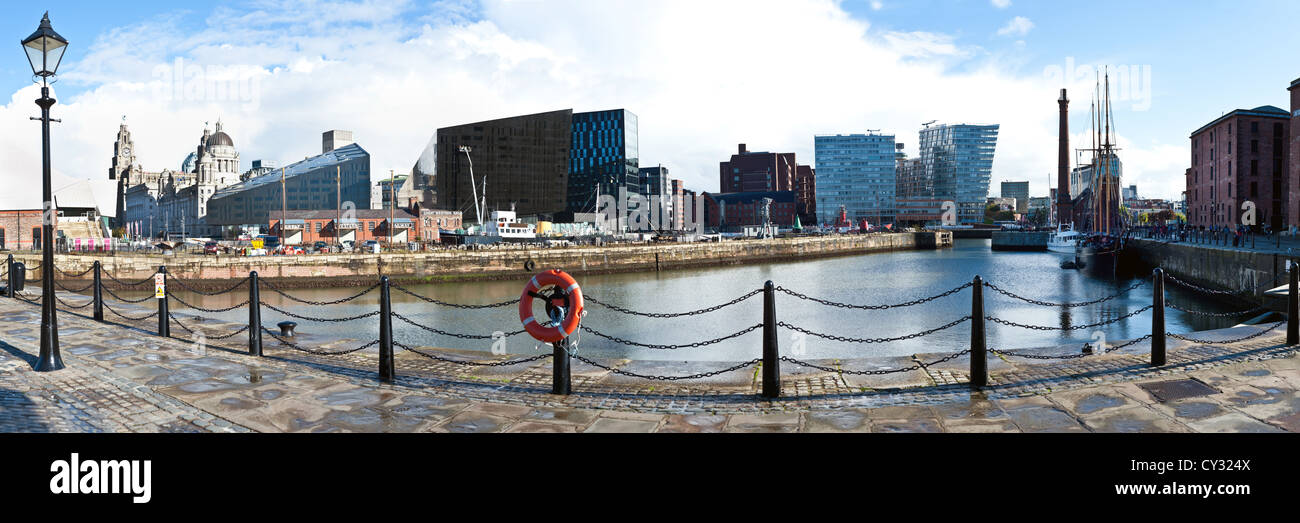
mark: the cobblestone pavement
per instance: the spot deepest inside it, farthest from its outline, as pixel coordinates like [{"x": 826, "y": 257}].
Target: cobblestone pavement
[{"x": 122, "y": 378}]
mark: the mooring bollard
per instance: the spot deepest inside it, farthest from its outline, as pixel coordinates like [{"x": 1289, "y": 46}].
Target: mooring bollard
[
  {"x": 1293, "y": 306},
  {"x": 98, "y": 294},
  {"x": 164, "y": 321},
  {"x": 254, "y": 316},
  {"x": 561, "y": 377},
  {"x": 386, "y": 369},
  {"x": 10, "y": 290},
  {"x": 771, "y": 350},
  {"x": 979, "y": 365},
  {"x": 1158, "y": 318}
]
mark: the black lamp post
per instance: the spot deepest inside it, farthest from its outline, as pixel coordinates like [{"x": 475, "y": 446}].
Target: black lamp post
[{"x": 45, "y": 50}]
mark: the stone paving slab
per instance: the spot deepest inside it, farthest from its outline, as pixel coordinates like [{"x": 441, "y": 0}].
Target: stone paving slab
[{"x": 121, "y": 378}]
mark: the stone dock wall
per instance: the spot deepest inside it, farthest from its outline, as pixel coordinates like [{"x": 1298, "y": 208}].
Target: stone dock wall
[
  {"x": 1250, "y": 272},
  {"x": 329, "y": 270},
  {"x": 1020, "y": 241}
]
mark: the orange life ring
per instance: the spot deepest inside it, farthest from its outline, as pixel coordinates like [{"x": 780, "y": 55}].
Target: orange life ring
[{"x": 567, "y": 296}]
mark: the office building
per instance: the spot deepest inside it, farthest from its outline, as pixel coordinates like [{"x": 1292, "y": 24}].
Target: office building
[
  {"x": 315, "y": 184},
  {"x": 1019, "y": 191},
  {"x": 859, "y": 173},
  {"x": 959, "y": 158}
]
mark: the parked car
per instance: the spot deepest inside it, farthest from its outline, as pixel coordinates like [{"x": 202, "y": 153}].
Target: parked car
[
  {"x": 320, "y": 246},
  {"x": 211, "y": 248}
]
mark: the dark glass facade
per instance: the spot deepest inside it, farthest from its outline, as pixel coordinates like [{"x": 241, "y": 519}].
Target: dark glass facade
[
  {"x": 604, "y": 155},
  {"x": 525, "y": 160}
]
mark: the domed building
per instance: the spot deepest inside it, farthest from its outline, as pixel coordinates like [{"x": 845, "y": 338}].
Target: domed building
[{"x": 174, "y": 204}]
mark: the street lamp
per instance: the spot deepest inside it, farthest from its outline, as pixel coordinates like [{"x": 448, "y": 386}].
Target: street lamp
[{"x": 45, "y": 50}]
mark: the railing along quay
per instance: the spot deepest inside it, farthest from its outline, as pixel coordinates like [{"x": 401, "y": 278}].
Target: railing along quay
[{"x": 769, "y": 360}]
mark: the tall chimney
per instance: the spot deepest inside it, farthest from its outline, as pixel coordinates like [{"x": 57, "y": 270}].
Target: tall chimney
[
  {"x": 1064, "y": 201},
  {"x": 742, "y": 148}
]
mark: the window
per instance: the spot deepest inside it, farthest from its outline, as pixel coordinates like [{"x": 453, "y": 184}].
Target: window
[
  {"x": 1254, "y": 189},
  {"x": 1254, "y": 127},
  {"x": 1254, "y": 146}
]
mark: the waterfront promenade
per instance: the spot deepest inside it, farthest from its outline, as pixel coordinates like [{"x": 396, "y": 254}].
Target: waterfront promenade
[{"x": 122, "y": 378}]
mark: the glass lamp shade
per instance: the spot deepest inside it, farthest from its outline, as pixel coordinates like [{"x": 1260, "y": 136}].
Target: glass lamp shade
[{"x": 45, "y": 49}]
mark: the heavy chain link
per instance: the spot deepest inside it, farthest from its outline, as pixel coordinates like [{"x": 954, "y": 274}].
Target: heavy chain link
[
  {"x": 71, "y": 306},
  {"x": 187, "y": 287},
  {"x": 300, "y": 348},
  {"x": 1226, "y": 342},
  {"x": 1198, "y": 288},
  {"x": 1005, "y": 292},
  {"x": 917, "y": 366},
  {"x": 214, "y": 311},
  {"x": 130, "y": 284},
  {"x": 74, "y": 276},
  {"x": 1108, "y": 350},
  {"x": 121, "y": 299},
  {"x": 503, "y": 363},
  {"x": 846, "y": 339},
  {"x": 1074, "y": 328},
  {"x": 701, "y": 375},
  {"x": 75, "y": 291},
  {"x": 875, "y": 307},
  {"x": 453, "y": 334},
  {"x": 110, "y": 309},
  {"x": 1218, "y": 314},
  {"x": 320, "y": 320},
  {"x": 207, "y": 336},
  {"x": 453, "y": 305},
  {"x": 271, "y": 286},
  {"x": 622, "y": 341},
  {"x": 707, "y": 310}
]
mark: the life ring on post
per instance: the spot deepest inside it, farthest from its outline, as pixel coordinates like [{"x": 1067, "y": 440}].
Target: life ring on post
[
  {"x": 529, "y": 265},
  {"x": 563, "y": 305}
]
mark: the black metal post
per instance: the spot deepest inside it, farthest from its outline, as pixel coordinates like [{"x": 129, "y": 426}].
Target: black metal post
[
  {"x": 98, "y": 294},
  {"x": 164, "y": 319},
  {"x": 1158, "y": 318},
  {"x": 386, "y": 370},
  {"x": 561, "y": 377},
  {"x": 50, "y": 358},
  {"x": 979, "y": 365},
  {"x": 1293, "y": 306},
  {"x": 771, "y": 350},
  {"x": 254, "y": 317},
  {"x": 10, "y": 291}
]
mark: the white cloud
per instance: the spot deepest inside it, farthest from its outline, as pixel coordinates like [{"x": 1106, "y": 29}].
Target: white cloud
[
  {"x": 701, "y": 76},
  {"x": 1018, "y": 26},
  {"x": 1001, "y": 4},
  {"x": 877, "y": 5}
]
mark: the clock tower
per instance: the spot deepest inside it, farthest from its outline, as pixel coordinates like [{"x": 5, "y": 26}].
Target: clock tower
[{"x": 123, "y": 161}]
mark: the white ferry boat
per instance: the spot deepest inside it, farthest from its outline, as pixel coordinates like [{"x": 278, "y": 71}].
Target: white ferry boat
[
  {"x": 1064, "y": 240},
  {"x": 505, "y": 226}
]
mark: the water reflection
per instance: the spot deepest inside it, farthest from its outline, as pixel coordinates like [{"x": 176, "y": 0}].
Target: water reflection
[{"x": 881, "y": 278}]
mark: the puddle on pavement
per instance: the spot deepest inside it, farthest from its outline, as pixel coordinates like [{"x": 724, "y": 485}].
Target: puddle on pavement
[
  {"x": 240, "y": 403},
  {"x": 267, "y": 395},
  {"x": 1097, "y": 402},
  {"x": 1197, "y": 410},
  {"x": 205, "y": 386},
  {"x": 355, "y": 397}
]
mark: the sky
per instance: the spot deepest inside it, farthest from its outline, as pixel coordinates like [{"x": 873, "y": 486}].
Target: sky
[{"x": 701, "y": 75}]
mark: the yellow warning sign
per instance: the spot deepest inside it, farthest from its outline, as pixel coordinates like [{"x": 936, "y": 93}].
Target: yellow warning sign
[{"x": 159, "y": 286}]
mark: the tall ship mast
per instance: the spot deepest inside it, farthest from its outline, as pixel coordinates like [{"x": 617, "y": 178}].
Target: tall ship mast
[{"x": 1103, "y": 222}]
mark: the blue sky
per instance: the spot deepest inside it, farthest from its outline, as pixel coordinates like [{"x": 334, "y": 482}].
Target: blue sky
[{"x": 396, "y": 70}]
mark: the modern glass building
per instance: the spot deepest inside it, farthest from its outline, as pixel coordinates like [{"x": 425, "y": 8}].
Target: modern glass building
[
  {"x": 856, "y": 171},
  {"x": 604, "y": 156},
  {"x": 309, "y": 185},
  {"x": 959, "y": 160}
]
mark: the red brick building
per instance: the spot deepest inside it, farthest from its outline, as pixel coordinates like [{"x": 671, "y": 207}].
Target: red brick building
[
  {"x": 434, "y": 220},
  {"x": 1239, "y": 157},
  {"x": 757, "y": 171},
  {"x": 20, "y": 229},
  {"x": 805, "y": 188},
  {"x": 309, "y": 227},
  {"x": 1293, "y": 212}
]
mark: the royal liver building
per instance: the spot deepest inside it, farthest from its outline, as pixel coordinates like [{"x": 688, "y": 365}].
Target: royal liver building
[{"x": 170, "y": 204}]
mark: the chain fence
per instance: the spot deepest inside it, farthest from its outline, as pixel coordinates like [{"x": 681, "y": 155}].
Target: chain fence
[
  {"x": 1116, "y": 319},
  {"x": 1231, "y": 341},
  {"x": 129, "y": 284},
  {"x": 276, "y": 290},
  {"x": 127, "y": 300},
  {"x": 317, "y": 352},
  {"x": 846, "y": 339},
  {"x": 713, "y": 341},
  {"x": 1218, "y": 314},
  {"x": 875, "y": 307},
  {"x": 207, "y": 310},
  {"x": 616, "y": 308},
  {"x": 503, "y": 363},
  {"x": 1087, "y": 351},
  {"x": 1005, "y": 292},
  {"x": 109, "y": 308},
  {"x": 452, "y": 305},
  {"x": 879, "y": 372},
  {"x": 412, "y": 323},
  {"x": 1198, "y": 288},
  {"x": 318, "y": 319},
  {"x": 181, "y": 283},
  {"x": 651, "y": 377},
  {"x": 206, "y": 336},
  {"x": 73, "y": 275}
]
